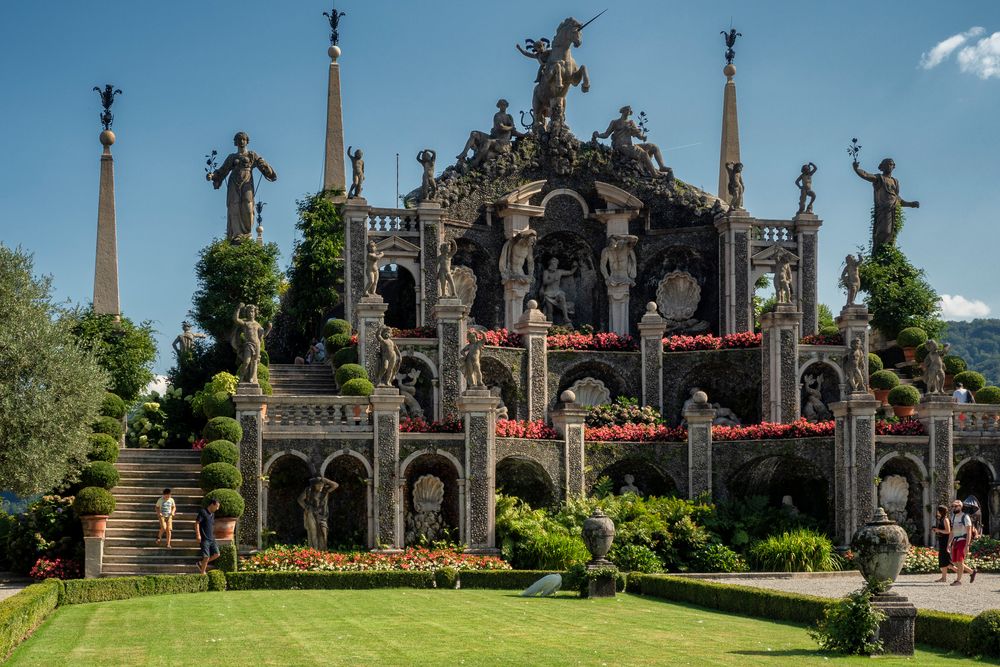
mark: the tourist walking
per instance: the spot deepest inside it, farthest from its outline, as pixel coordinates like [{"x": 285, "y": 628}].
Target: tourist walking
[
  {"x": 166, "y": 507},
  {"x": 204, "y": 530},
  {"x": 958, "y": 544},
  {"x": 942, "y": 534},
  {"x": 962, "y": 395}
]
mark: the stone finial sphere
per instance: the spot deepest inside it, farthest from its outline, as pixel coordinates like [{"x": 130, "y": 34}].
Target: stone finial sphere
[
  {"x": 700, "y": 397},
  {"x": 651, "y": 307},
  {"x": 333, "y": 52},
  {"x": 531, "y": 305},
  {"x": 729, "y": 70},
  {"x": 107, "y": 138},
  {"x": 567, "y": 396}
]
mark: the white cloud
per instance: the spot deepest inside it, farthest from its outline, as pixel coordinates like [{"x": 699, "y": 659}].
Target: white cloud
[
  {"x": 957, "y": 307},
  {"x": 945, "y": 48},
  {"x": 982, "y": 58},
  {"x": 159, "y": 385}
]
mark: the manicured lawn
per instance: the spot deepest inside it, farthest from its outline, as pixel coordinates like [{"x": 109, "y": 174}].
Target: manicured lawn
[{"x": 414, "y": 627}]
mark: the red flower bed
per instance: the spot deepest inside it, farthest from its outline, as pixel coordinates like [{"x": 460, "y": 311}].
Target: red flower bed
[
  {"x": 605, "y": 342},
  {"x": 773, "y": 431},
  {"x": 304, "y": 559},
  {"x": 822, "y": 339},
  {"x": 734, "y": 341},
  {"x": 903, "y": 427},
  {"x": 421, "y": 425},
  {"x": 419, "y": 332},
  {"x": 55, "y": 568},
  {"x": 521, "y": 428},
  {"x": 636, "y": 433},
  {"x": 502, "y": 338}
]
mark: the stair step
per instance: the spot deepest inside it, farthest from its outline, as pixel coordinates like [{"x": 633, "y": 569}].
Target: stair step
[
  {"x": 126, "y": 569},
  {"x": 157, "y": 466},
  {"x": 181, "y": 540},
  {"x": 144, "y": 550},
  {"x": 181, "y": 557},
  {"x": 131, "y": 513},
  {"x": 131, "y": 489}
]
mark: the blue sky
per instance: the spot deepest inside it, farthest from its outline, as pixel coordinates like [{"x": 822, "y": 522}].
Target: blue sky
[{"x": 422, "y": 74}]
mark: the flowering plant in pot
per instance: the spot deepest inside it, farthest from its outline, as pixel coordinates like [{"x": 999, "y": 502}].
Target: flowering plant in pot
[
  {"x": 93, "y": 505},
  {"x": 904, "y": 400},
  {"x": 231, "y": 508},
  {"x": 882, "y": 382},
  {"x": 909, "y": 339}
]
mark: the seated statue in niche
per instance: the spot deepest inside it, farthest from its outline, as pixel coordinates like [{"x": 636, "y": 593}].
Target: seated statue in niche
[
  {"x": 629, "y": 486},
  {"x": 725, "y": 417},
  {"x": 618, "y": 261},
  {"x": 553, "y": 295},
  {"x": 813, "y": 408},
  {"x": 486, "y": 146},
  {"x": 517, "y": 259},
  {"x": 622, "y": 131},
  {"x": 789, "y": 506},
  {"x": 407, "y": 383},
  {"x": 497, "y": 393}
]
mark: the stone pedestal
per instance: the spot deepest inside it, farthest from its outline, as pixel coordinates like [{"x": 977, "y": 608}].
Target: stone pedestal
[
  {"x": 699, "y": 418},
  {"x": 250, "y": 407},
  {"x": 853, "y": 324},
  {"x": 450, "y": 317},
  {"x": 333, "y": 164},
  {"x": 651, "y": 330},
  {"x": 355, "y": 215},
  {"x": 854, "y": 463},
  {"x": 93, "y": 557},
  {"x": 897, "y": 630},
  {"x": 533, "y": 329},
  {"x": 388, "y": 527},
  {"x": 807, "y": 232},
  {"x": 431, "y": 236},
  {"x": 936, "y": 414},
  {"x": 568, "y": 419},
  {"x": 618, "y": 298},
  {"x": 370, "y": 317},
  {"x": 601, "y": 587},
  {"x": 106, "y": 263},
  {"x": 514, "y": 291},
  {"x": 780, "y": 393},
  {"x": 478, "y": 408},
  {"x": 736, "y": 290}
]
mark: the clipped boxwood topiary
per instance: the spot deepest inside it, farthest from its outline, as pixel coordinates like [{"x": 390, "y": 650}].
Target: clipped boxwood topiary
[
  {"x": 347, "y": 355},
  {"x": 93, "y": 501},
  {"x": 904, "y": 395},
  {"x": 265, "y": 388},
  {"x": 220, "y": 451},
  {"x": 336, "y": 342},
  {"x": 921, "y": 352},
  {"x": 357, "y": 387},
  {"x": 100, "y": 473},
  {"x": 103, "y": 448},
  {"x": 109, "y": 426},
  {"x": 984, "y": 633},
  {"x": 954, "y": 364},
  {"x": 218, "y": 405},
  {"x": 222, "y": 428},
  {"x": 971, "y": 380},
  {"x": 911, "y": 337},
  {"x": 230, "y": 503},
  {"x": 220, "y": 476},
  {"x": 113, "y": 406},
  {"x": 874, "y": 363},
  {"x": 265, "y": 358},
  {"x": 883, "y": 380},
  {"x": 349, "y": 372},
  {"x": 988, "y": 395},
  {"x": 334, "y": 326},
  {"x": 263, "y": 373}
]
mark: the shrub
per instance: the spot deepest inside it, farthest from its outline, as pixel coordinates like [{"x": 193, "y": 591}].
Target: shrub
[
  {"x": 247, "y": 581},
  {"x": 46, "y": 528},
  {"x": 56, "y": 568},
  {"x": 231, "y": 503},
  {"x": 883, "y": 380},
  {"x": 911, "y": 337},
  {"x": 989, "y": 395},
  {"x": 943, "y": 630},
  {"x": 220, "y": 476},
  {"x": 227, "y": 560},
  {"x": 334, "y": 326},
  {"x": 357, "y": 387},
  {"x": 346, "y": 355},
  {"x": 222, "y": 428},
  {"x": 971, "y": 380},
  {"x": 874, "y": 363},
  {"x": 904, "y": 395},
  {"x": 984, "y": 631},
  {"x": 93, "y": 501},
  {"x": 446, "y": 577},
  {"x": 217, "y": 577},
  {"x": 103, "y": 448},
  {"x": 218, "y": 405},
  {"x": 578, "y": 577},
  {"x": 635, "y": 558},
  {"x": 349, "y": 372},
  {"x": 109, "y": 426},
  {"x": 82, "y": 591},
  {"x": 336, "y": 342},
  {"x": 21, "y": 613},
  {"x": 124, "y": 349},
  {"x": 719, "y": 558},
  {"x": 623, "y": 410},
  {"x": 220, "y": 451},
  {"x": 500, "y": 579},
  {"x": 113, "y": 406},
  {"x": 100, "y": 473},
  {"x": 851, "y": 625},
  {"x": 954, "y": 364},
  {"x": 795, "y": 551}
]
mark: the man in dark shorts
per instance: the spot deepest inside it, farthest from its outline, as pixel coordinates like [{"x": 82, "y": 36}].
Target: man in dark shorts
[{"x": 204, "y": 530}]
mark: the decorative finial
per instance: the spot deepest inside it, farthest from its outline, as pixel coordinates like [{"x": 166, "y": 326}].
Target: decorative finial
[
  {"x": 333, "y": 16},
  {"x": 730, "y": 38},
  {"x": 260, "y": 221},
  {"x": 854, "y": 149},
  {"x": 107, "y": 99}
]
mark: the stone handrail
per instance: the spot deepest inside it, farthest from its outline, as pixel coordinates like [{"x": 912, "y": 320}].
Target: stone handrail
[
  {"x": 770, "y": 232},
  {"x": 332, "y": 413},
  {"x": 977, "y": 418},
  {"x": 393, "y": 222}
]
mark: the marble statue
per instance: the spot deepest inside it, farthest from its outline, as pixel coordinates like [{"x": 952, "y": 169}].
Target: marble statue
[
  {"x": 316, "y": 510},
  {"x": 736, "y": 187},
  {"x": 248, "y": 338},
  {"x": 471, "y": 356},
  {"x": 788, "y": 505},
  {"x": 445, "y": 277},
  {"x": 184, "y": 342},
  {"x": 389, "y": 357},
  {"x": 557, "y": 73},
  {"x": 814, "y": 409},
  {"x": 854, "y": 368},
  {"x": 725, "y": 417},
  {"x": 887, "y": 200},
  {"x": 783, "y": 277},
  {"x": 629, "y": 486},
  {"x": 465, "y": 284},
  {"x": 622, "y": 130},
  {"x": 424, "y": 523},
  {"x": 696, "y": 399},
  {"x": 933, "y": 365},
  {"x": 428, "y": 186},
  {"x": 851, "y": 277},
  {"x": 239, "y": 168},
  {"x": 546, "y": 586},
  {"x": 618, "y": 262},
  {"x": 805, "y": 182},
  {"x": 497, "y": 393},
  {"x": 553, "y": 295},
  {"x": 488, "y": 145},
  {"x": 371, "y": 269},
  {"x": 517, "y": 258},
  {"x": 677, "y": 299},
  {"x": 407, "y": 383},
  {"x": 893, "y": 493},
  {"x": 357, "y": 172}
]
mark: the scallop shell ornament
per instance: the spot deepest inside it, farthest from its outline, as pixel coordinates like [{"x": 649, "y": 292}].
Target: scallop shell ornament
[{"x": 428, "y": 494}]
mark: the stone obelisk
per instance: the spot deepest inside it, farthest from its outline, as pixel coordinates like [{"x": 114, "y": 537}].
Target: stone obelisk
[
  {"x": 730, "y": 150},
  {"x": 333, "y": 165},
  {"x": 106, "y": 300}
]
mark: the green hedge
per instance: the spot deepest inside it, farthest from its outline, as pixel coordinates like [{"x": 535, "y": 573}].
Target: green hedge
[
  {"x": 100, "y": 473},
  {"x": 249, "y": 581},
  {"x": 81, "y": 591},
  {"x": 502, "y": 579},
  {"x": 223, "y": 428},
  {"x": 227, "y": 560},
  {"x": 943, "y": 630},
  {"x": 220, "y": 476},
  {"x": 21, "y": 613},
  {"x": 217, "y": 578}
]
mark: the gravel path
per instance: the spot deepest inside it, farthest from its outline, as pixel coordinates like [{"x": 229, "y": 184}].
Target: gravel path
[
  {"x": 919, "y": 588},
  {"x": 10, "y": 585}
]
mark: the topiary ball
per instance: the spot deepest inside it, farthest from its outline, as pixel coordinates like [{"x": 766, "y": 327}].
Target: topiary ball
[
  {"x": 874, "y": 363},
  {"x": 883, "y": 380},
  {"x": 334, "y": 326},
  {"x": 905, "y": 395},
  {"x": 103, "y": 448},
  {"x": 988, "y": 395},
  {"x": 220, "y": 476},
  {"x": 220, "y": 451},
  {"x": 218, "y": 405},
  {"x": 911, "y": 337},
  {"x": 113, "y": 406},
  {"x": 954, "y": 364},
  {"x": 336, "y": 342},
  {"x": 357, "y": 387},
  {"x": 921, "y": 352},
  {"x": 93, "y": 501},
  {"x": 346, "y": 355},
  {"x": 971, "y": 380},
  {"x": 100, "y": 473},
  {"x": 222, "y": 428},
  {"x": 109, "y": 426},
  {"x": 349, "y": 372},
  {"x": 984, "y": 633},
  {"x": 230, "y": 503}
]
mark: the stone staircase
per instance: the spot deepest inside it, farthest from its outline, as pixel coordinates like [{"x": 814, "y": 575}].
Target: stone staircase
[
  {"x": 293, "y": 380},
  {"x": 130, "y": 542}
]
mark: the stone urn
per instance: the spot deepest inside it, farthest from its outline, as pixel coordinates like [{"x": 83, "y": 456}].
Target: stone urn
[
  {"x": 598, "y": 534},
  {"x": 880, "y": 547}
]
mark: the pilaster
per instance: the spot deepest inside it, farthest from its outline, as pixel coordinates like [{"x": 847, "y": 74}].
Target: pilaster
[
  {"x": 355, "y": 215},
  {"x": 478, "y": 408},
  {"x": 93, "y": 557},
  {"x": 333, "y": 165},
  {"x": 450, "y": 317},
  {"x": 388, "y": 529},
  {"x": 370, "y": 314},
  {"x": 431, "y": 237},
  {"x": 780, "y": 393},
  {"x": 854, "y": 463},
  {"x": 568, "y": 419},
  {"x": 250, "y": 406},
  {"x": 534, "y": 330},
  {"x": 651, "y": 330},
  {"x": 106, "y": 300},
  {"x": 736, "y": 289},
  {"x": 699, "y": 416},
  {"x": 936, "y": 414},
  {"x": 807, "y": 232}
]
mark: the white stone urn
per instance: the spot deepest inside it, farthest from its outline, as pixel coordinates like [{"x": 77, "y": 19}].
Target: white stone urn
[
  {"x": 598, "y": 534},
  {"x": 880, "y": 547}
]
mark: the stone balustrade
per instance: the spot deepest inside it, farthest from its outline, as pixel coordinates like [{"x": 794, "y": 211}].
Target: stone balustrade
[
  {"x": 393, "y": 222},
  {"x": 977, "y": 418},
  {"x": 766, "y": 233},
  {"x": 329, "y": 414}
]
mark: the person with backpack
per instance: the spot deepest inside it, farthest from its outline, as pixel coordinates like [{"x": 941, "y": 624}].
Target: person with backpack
[
  {"x": 962, "y": 533},
  {"x": 942, "y": 535}
]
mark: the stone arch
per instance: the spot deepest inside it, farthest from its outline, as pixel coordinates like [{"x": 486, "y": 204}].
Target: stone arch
[
  {"x": 446, "y": 467},
  {"x": 732, "y": 386},
  {"x": 487, "y": 308},
  {"x": 527, "y": 479},
  {"x": 287, "y": 474},
  {"x": 397, "y": 285},
  {"x": 584, "y": 289},
  {"x": 351, "y": 515},
  {"x": 496, "y": 374},
  {"x": 976, "y": 477},
  {"x": 427, "y": 383},
  {"x": 598, "y": 370},
  {"x": 777, "y": 476},
  {"x": 653, "y": 267},
  {"x": 648, "y": 478},
  {"x": 832, "y": 379},
  {"x": 573, "y": 194},
  {"x": 916, "y": 516}
]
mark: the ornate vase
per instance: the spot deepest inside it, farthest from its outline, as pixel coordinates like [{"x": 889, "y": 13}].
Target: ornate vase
[
  {"x": 903, "y": 410},
  {"x": 94, "y": 525},
  {"x": 880, "y": 547},
  {"x": 598, "y": 534}
]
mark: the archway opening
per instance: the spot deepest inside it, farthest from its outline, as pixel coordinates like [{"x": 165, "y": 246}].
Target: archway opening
[
  {"x": 428, "y": 518},
  {"x": 974, "y": 479},
  {"x": 819, "y": 388},
  {"x": 499, "y": 379},
  {"x": 416, "y": 382},
  {"x": 348, "y": 504},
  {"x": 637, "y": 476},
  {"x": 570, "y": 263},
  {"x": 901, "y": 494},
  {"x": 776, "y": 477},
  {"x": 525, "y": 479},
  {"x": 287, "y": 477},
  {"x": 398, "y": 288}
]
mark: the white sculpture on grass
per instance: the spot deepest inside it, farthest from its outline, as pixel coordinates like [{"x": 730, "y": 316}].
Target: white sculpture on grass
[{"x": 547, "y": 585}]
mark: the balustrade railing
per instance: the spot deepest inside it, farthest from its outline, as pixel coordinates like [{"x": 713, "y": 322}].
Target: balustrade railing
[
  {"x": 977, "y": 418},
  {"x": 332, "y": 413},
  {"x": 393, "y": 222},
  {"x": 770, "y": 232}
]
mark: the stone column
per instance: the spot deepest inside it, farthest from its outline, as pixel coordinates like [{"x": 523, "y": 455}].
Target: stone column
[
  {"x": 806, "y": 231},
  {"x": 516, "y": 218},
  {"x": 534, "y": 329},
  {"x": 250, "y": 406},
  {"x": 388, "y": 529},
  {"x": 780, "y": 393},
  {"x": 355, "y": 213},
  {"x": 450, "y": 316},
  {"x": 699, "y": 415},
  {"x": 568, "y": 419},
  {"x": 370, "y": 315},
  {"x": 106, "y": 264},
  {"x": 854, "y": 463},
  {"x": 93, "y": 557},
  {"x": 478, "y": 408},
  {"x": 736, "y": 289},
  {"x": 651, "y": 330},
  {"x": 730, "y": 151},
  {"x": 333, "y": 165},
  {"x": 936, "y": 414},
  {"x": 616, "y": 224},
  {"x": 431, "y": 236}
]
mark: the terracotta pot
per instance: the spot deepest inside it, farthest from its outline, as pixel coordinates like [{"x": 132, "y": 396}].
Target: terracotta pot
[
  {"x": 880, "y": 547},
  {"x": 598, "y": 534},
  {"x": 357, "y": 411},
  {"x": 881, "y": 395},
  {"x": 94, "y": 525},
  {"x": 910, "y": 353},
  {"x": 949, "y": 381},
  {"x": 904, "y": 410},
  {"x": 225, "y": 527}
]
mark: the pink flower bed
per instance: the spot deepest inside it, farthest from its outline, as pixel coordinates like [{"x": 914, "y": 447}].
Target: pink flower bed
[
  {"x": 636, "y": 433},
  {"x": 823, "y": 339},
  {"x": 304, "y": 559},
  {"x": 55, "y": 568},
  {"x": 734, "y": 341},
  {"x": 605, "y": 342},
  {"x": 522, "y": 428},
  {"x": 420, "y": 425},
  {"x": 419, "y": 332},
  {"x": 904, "y": 427},
  {"x": 773, "y": 431},
  {"x": 502, "y": 338}
]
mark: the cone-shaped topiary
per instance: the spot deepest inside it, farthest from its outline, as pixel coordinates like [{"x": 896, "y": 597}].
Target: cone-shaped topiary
[
  {"x": 347, "y": 355},
  {"x": 357, "y": 387},
  {"x": 971, "y": 380},
  {"x": 103, "y": 448},
  {"x": 222, "y": 428},
  {"x": 109, "y": 426},
  {"x": 883, "y": 380},
  {"x": 904, "y": 395},
  {"x": 334, "y": 326},
  {"x": 230, "y": 503},
  {"x": 874, "y": 363},
  {"x": 988, "y": 395},
  {"x": 220, "y": 451},
  {"x": 100, "y": 473},
  {"x": 93, "y": 501},
  {"x": 113, "y": 406},
  {"x": 911, "y": 337},
  {"x": 220, "y": 476},
  {"x": 349, "y": 372}
]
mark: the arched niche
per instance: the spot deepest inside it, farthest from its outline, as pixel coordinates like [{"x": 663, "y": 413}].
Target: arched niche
[
  {"x": 487, "y": 309},
  {"x": 287, "y": 476},
  {"x": 912, "y": 517},
  {"x": 736, "y": 387},
  {"x": 526, "y": 479},
  {"x": 652, "y": 269},
  {"x": 584, "y": 290},
  {"x": 398, "y": 288},
  {"x": 775, "y": 477},
  {"x": 433, "y": 463},
  {"x": 426, "y": 381},
  {"x": 649, "y": 479},
  {"x": 827, "y": 382},
  {"x": 612, "y": 379},
  {"x": 496, "y": 374},
  {"x": 975, "y": 478},
  {"x": 350, "y": 503}
]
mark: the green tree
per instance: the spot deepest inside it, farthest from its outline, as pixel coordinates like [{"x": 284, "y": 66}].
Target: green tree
[
  {"x": 51, "y": 387},
  {"x": 125, "y": 350},
  {"x": 898, "y": 294}
]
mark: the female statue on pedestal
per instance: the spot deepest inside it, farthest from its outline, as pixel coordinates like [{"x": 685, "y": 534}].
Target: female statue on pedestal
[
  {"x": 887, "y": 199},
  {"x": 239, "y": 168}
]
